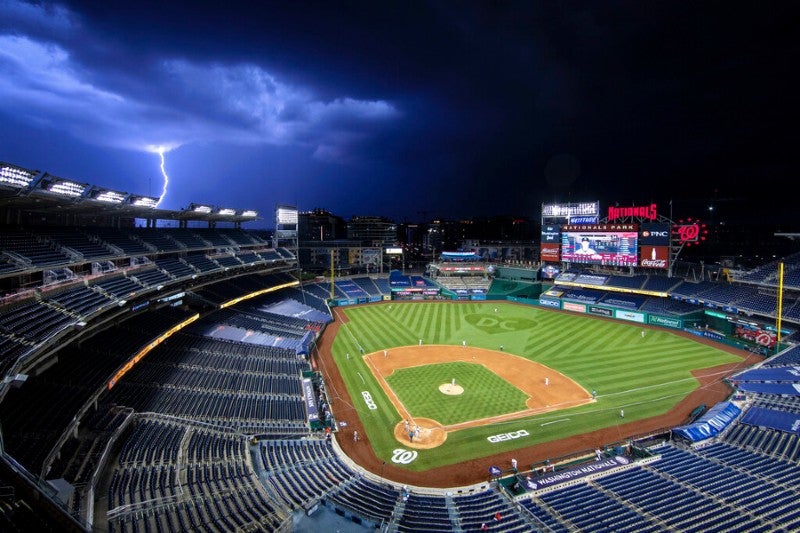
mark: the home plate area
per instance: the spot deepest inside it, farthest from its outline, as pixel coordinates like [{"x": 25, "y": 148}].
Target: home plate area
[{"x": 429, "y": 435}]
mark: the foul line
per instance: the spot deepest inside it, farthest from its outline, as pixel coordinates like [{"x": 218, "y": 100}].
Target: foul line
[
  {"x": 344, "y": 325},
  {"x": 401, "y": 409},
  {"x": 555, "y": 422},
  {"x": 664, "y": 384}
]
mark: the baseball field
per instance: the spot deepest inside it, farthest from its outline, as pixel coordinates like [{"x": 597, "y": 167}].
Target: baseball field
[{"x": 440, "y": 383}]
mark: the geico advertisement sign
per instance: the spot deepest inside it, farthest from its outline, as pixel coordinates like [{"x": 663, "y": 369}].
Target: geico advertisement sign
[
  {"x": 511, "y": 435},
  {"x": 368, "y": 400}
]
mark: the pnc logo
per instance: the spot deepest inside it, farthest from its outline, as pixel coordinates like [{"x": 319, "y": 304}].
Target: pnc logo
[
  {"x": 511, "y": 435},
  {"x": 497, "y": 324}
]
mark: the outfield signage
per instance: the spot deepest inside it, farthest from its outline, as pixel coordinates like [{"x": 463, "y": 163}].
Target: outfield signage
[
  {"x": 550, "y": 303},
  {"x": 649, "y": 212},
  {"x": 550, "y": 252},
  {"x": 707, "y": 333},
  {"x": 550, "y": 271},
  {"x": 578, "y": 308},
  {"x": 655, "y": 234},
  {"x": 549, "y": 480},
  {"x": 511, "y": 435},
  {"x": 551, "y": 233},
  {"x": 630, "y": 316},
  {"x": 569, "y": 211},
  {"x": 666, "y": 321},
  {"x": 600, "y": 311},
  {"x": 368, "y": 400}
]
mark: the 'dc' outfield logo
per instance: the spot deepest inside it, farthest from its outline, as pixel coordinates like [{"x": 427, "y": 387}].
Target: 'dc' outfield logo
[
  {"x": 403, "y": 457},
  {"x": 511, "y": 435},
  {"x": 499, "y": 324}
]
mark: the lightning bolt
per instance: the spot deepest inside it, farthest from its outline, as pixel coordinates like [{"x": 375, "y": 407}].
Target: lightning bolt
[{"x": 161, "y": 152}]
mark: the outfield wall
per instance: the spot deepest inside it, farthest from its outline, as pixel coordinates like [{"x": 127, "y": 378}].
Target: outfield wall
[{"x": 693, "y": 323}]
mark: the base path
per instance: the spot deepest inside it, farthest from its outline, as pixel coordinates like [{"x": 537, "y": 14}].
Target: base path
[{"x": 547, "y": 389}]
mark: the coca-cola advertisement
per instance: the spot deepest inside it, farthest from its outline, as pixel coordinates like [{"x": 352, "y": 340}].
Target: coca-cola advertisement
[{"x": 654, "y": 256}]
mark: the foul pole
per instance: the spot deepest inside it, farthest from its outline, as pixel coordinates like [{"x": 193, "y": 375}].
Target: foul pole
[
  {"x": 333, "y": 293},
  {"x": 780, "y": 307}
]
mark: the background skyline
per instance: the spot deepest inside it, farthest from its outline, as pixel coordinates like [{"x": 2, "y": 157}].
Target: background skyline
[{"x": 412, "y": 110}]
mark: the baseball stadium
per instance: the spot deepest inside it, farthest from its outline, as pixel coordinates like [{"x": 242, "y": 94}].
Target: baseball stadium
[{"x": 174, "y": 371}]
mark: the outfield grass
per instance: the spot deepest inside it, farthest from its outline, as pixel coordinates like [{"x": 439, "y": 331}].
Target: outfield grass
[{"x": 644, "y": 375}]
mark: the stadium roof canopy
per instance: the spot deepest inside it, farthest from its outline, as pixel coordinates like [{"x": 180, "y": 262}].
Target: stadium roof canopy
[{"x": 35, "y": 191}]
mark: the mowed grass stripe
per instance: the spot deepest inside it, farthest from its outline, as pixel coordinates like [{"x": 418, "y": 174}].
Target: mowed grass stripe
[
  {"x": 378, "y": 332},
  {"x": 393, "y": 332},
  {"x": 431, "y": 318},
  {"x": 419, "y": 320}
]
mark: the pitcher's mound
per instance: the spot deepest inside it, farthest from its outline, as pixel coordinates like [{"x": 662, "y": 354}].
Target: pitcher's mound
[{"x": 450, "y": 389}]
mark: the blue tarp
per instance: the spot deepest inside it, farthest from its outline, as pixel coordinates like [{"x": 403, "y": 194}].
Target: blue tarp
[
  {"x": 772, "y": 418},
  {"x": 710, "y": 424},
  {"x": 789, "y": 389},
  {"x": 777, "y": 373}
]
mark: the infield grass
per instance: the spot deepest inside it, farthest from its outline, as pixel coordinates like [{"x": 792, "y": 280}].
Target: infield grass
[
  {"x": 644, "y": 375},
  {"x": 485, "y": 393}
]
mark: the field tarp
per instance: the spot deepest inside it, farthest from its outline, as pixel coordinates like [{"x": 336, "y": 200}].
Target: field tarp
[
  {"x": 772, "y": 418},
  {"x": 783, "y": 373},
  {"x": 787, "y": 389},
  {"x": 710, "y": 424}
]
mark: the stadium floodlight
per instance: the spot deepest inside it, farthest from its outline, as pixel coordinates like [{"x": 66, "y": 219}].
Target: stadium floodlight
[
  {"x": 112, "y": 197},
  {"x": 66, "y": 187},
  {"x": 16, "y": 176},
  {"x": 144, "y": 201},
  {"x": 226, "y": 212},
  {"x": 197, "y": 208},
  {"x": 249, "y": 213},
  {"x": 286, "y": 215}
]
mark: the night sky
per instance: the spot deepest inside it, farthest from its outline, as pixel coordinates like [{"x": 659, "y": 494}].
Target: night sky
[{"x": 410, "y": 110}]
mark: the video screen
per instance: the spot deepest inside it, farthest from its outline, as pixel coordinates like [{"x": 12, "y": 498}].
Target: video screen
[{"x": 618, "y": 248}]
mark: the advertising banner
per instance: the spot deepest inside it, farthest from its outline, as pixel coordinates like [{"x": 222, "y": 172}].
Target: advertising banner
[
  {"x": 555, "y": 478},
  {"x": 311, "y": 402}
]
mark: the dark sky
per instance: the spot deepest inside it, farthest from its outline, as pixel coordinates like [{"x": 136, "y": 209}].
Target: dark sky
[{"x": 410, "y": 109}]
